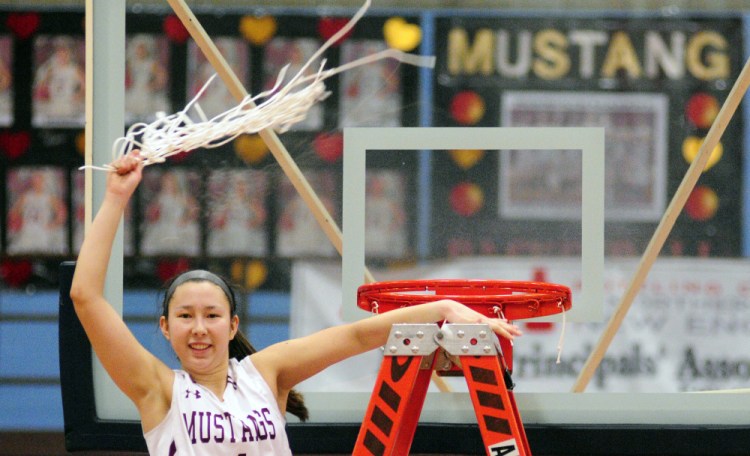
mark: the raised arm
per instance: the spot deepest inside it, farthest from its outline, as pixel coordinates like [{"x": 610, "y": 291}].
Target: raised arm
[
  {"x": 293, "y": 361},
  {"x": 140, "y": 375}
]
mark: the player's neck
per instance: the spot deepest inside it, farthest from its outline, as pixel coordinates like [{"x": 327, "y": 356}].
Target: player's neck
[{"x": 216, "y": 381}]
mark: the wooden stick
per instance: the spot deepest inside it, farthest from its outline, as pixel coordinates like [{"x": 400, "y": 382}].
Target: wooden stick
[
  {"x": 88, "y": 148},
  {"x": 272, "y": 140},
  {"x": 290, "y": 168},
  {"x": 665, "y": 225}
]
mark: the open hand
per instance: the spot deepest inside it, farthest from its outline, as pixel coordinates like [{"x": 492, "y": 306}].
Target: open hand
[{"x": 459, "y": 313}]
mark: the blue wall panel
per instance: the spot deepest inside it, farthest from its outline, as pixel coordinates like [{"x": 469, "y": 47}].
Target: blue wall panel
[
  {"x": 29, "y": 349},
  {"x": 29, "y": 363},
  {"x": 30, "y": 407}
]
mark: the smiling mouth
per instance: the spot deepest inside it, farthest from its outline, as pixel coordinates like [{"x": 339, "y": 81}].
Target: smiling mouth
[{"x": 199, "y": 346}]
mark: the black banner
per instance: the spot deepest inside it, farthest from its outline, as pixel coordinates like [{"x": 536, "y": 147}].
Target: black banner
[{"x": 655, "y": 84}]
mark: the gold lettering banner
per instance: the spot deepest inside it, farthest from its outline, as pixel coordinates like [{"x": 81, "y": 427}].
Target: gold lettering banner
[{"x": 595, "y": 49}]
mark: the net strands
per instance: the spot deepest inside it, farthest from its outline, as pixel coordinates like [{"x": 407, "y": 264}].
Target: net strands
[
  {"x": 515, "y": 299},
  {"x": 278, "y": 108}
]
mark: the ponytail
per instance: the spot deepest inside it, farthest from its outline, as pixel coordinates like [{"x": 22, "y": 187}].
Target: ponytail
[
  {"x": 240, "y": 347},
  {"x": 295, "y": 404}
]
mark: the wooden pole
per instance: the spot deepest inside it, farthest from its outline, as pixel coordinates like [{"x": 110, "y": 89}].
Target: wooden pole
[
  {"x": 665, "y": 225},
  {"x": 290, "y": 168},
  {"x": 88, "y": 149},
  {"x": 272, "y": 140}
]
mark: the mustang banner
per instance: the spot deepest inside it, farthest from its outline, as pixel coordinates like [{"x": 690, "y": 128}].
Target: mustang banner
[{"x": 654, "y": 83}]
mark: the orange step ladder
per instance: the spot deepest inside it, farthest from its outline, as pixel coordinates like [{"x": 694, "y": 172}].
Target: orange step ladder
[{"x": 412, "y": 353}]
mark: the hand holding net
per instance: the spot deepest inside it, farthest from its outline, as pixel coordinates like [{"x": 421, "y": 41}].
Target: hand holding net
[{"x": 278, "y": 108}]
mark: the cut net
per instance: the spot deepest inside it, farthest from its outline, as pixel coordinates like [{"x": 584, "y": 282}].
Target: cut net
[{"x": 278, "y": 108}]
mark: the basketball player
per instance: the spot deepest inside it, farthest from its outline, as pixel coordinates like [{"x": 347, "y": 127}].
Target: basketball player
[
  {"x": 39, "y": 218},
  {"x": 59, "y": 84},
  {"x": 146, "y": 80},
  {"x": 221, "y": 401},
  {"x": 171, "y": 218}
]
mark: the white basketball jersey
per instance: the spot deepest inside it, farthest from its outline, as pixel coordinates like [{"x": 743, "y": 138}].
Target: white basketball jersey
[{"x": 248, "y": 422}]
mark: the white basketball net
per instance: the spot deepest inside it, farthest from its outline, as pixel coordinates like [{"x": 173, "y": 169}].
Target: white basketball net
[{"x": 278, "y": 108}]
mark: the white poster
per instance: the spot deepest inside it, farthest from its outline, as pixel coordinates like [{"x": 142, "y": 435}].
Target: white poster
[
  {"x": 546, "y": 184},
  {"x": 687, "y": 330}
]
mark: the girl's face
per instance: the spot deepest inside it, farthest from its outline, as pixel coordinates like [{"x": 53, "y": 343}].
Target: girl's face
[
  {"x": 62, "y": 55},
  {"x": 199, "y": 326}
]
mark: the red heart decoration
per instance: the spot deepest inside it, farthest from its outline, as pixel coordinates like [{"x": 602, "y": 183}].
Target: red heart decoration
[
  {"x": 175, "y": 30},
  {"x": 16, "y": 273},
  {"x": 180, "y": 157},
  {"x": 329, "y": 147},
  {"x": 539, "y": 326},
  {"x": 23, "y": 25},
  {"x": 167, "y": 269},
  {"x": 460, "y": 247},
  {"x": 15, "y": 144},
  {"x": 466, "y": 199},
  {"x": 328, "y": 26}
]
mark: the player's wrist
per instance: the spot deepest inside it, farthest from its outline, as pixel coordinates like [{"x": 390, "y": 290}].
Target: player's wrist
[{"x": 116, "y": 199}]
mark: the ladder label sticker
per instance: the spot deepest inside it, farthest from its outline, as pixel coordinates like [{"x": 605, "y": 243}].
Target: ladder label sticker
[
  {"x": 490, "y": 400},
  {"x": 505, "y": 448},
  {"x": 389, "y": 396},
  {"x": 482, "y": 375},
  {"x": 398, "y": 370},
  {"x": 497, "y": 424},
  {"x": 374, "y": 444},
  {"x": 382, "y": 421}
]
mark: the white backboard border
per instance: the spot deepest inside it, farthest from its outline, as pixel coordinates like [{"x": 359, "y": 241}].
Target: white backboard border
[{"x": 357, "y": 141}]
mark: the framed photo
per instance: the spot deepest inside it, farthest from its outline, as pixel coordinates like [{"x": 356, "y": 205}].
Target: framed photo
[
  {"x": 297, "y": 232},
  {"x": 58, "y": 91},
  {"x": 170, "y": 222},
  {"x": 78, "y": 214},
  {"x": 6, "y": 80},
  {"x": 146, "y": 77},
  {"x": 37, "y": 212},
  {"x": 216, "y": 98},
  {"x": 540, "y": 184},
  {"x": 237, "y": 213},
  {"x": 294, "y": 52},
  {"x": 386, "y": 221},
  {"x": 370, "y": 95},
  {"x": 78, "y": 211}
]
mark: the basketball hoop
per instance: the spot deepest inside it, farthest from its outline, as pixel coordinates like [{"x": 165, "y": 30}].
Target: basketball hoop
[
  {"x": 514, "y": 300},
  {"x": 468, "y": 353}
]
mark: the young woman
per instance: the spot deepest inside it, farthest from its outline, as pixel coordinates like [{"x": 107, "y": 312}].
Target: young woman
[{"x": 216, "y": 404}]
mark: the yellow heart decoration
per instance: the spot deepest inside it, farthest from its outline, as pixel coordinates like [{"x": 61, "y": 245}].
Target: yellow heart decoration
[
  {"x": 81, "y": 142},
  {"x": 255, "y": 274},
  {"x": 401, "y": 35},
  {"x": 251, "y": 274},
  {"x": 466, "y": 158},
  {"x": 257, "y": 30},
  {"x": 692, "y": 145},
  {"x": 250, "y": 148}
]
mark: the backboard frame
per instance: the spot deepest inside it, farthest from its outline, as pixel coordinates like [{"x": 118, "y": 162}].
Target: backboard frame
[
  {"x": 85, "y": 431},
  {"x": 589, "y": 140}
]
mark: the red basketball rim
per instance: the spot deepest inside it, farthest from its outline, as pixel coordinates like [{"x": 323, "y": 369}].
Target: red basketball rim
[{"x": 514, "y": 300}]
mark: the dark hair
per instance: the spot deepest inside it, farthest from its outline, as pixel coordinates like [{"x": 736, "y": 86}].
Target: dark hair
[{"x": 239, "y": 346}]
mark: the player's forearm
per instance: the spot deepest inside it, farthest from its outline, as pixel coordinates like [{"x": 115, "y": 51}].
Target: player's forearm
[
  {"x": 373, "y": 332},
  {"x": 91, "y": 267}
]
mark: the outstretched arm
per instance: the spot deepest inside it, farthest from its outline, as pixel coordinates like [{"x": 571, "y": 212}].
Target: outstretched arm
[
  {"x": 140, "y": 375},
  {"x": 296, "y": 360}
]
